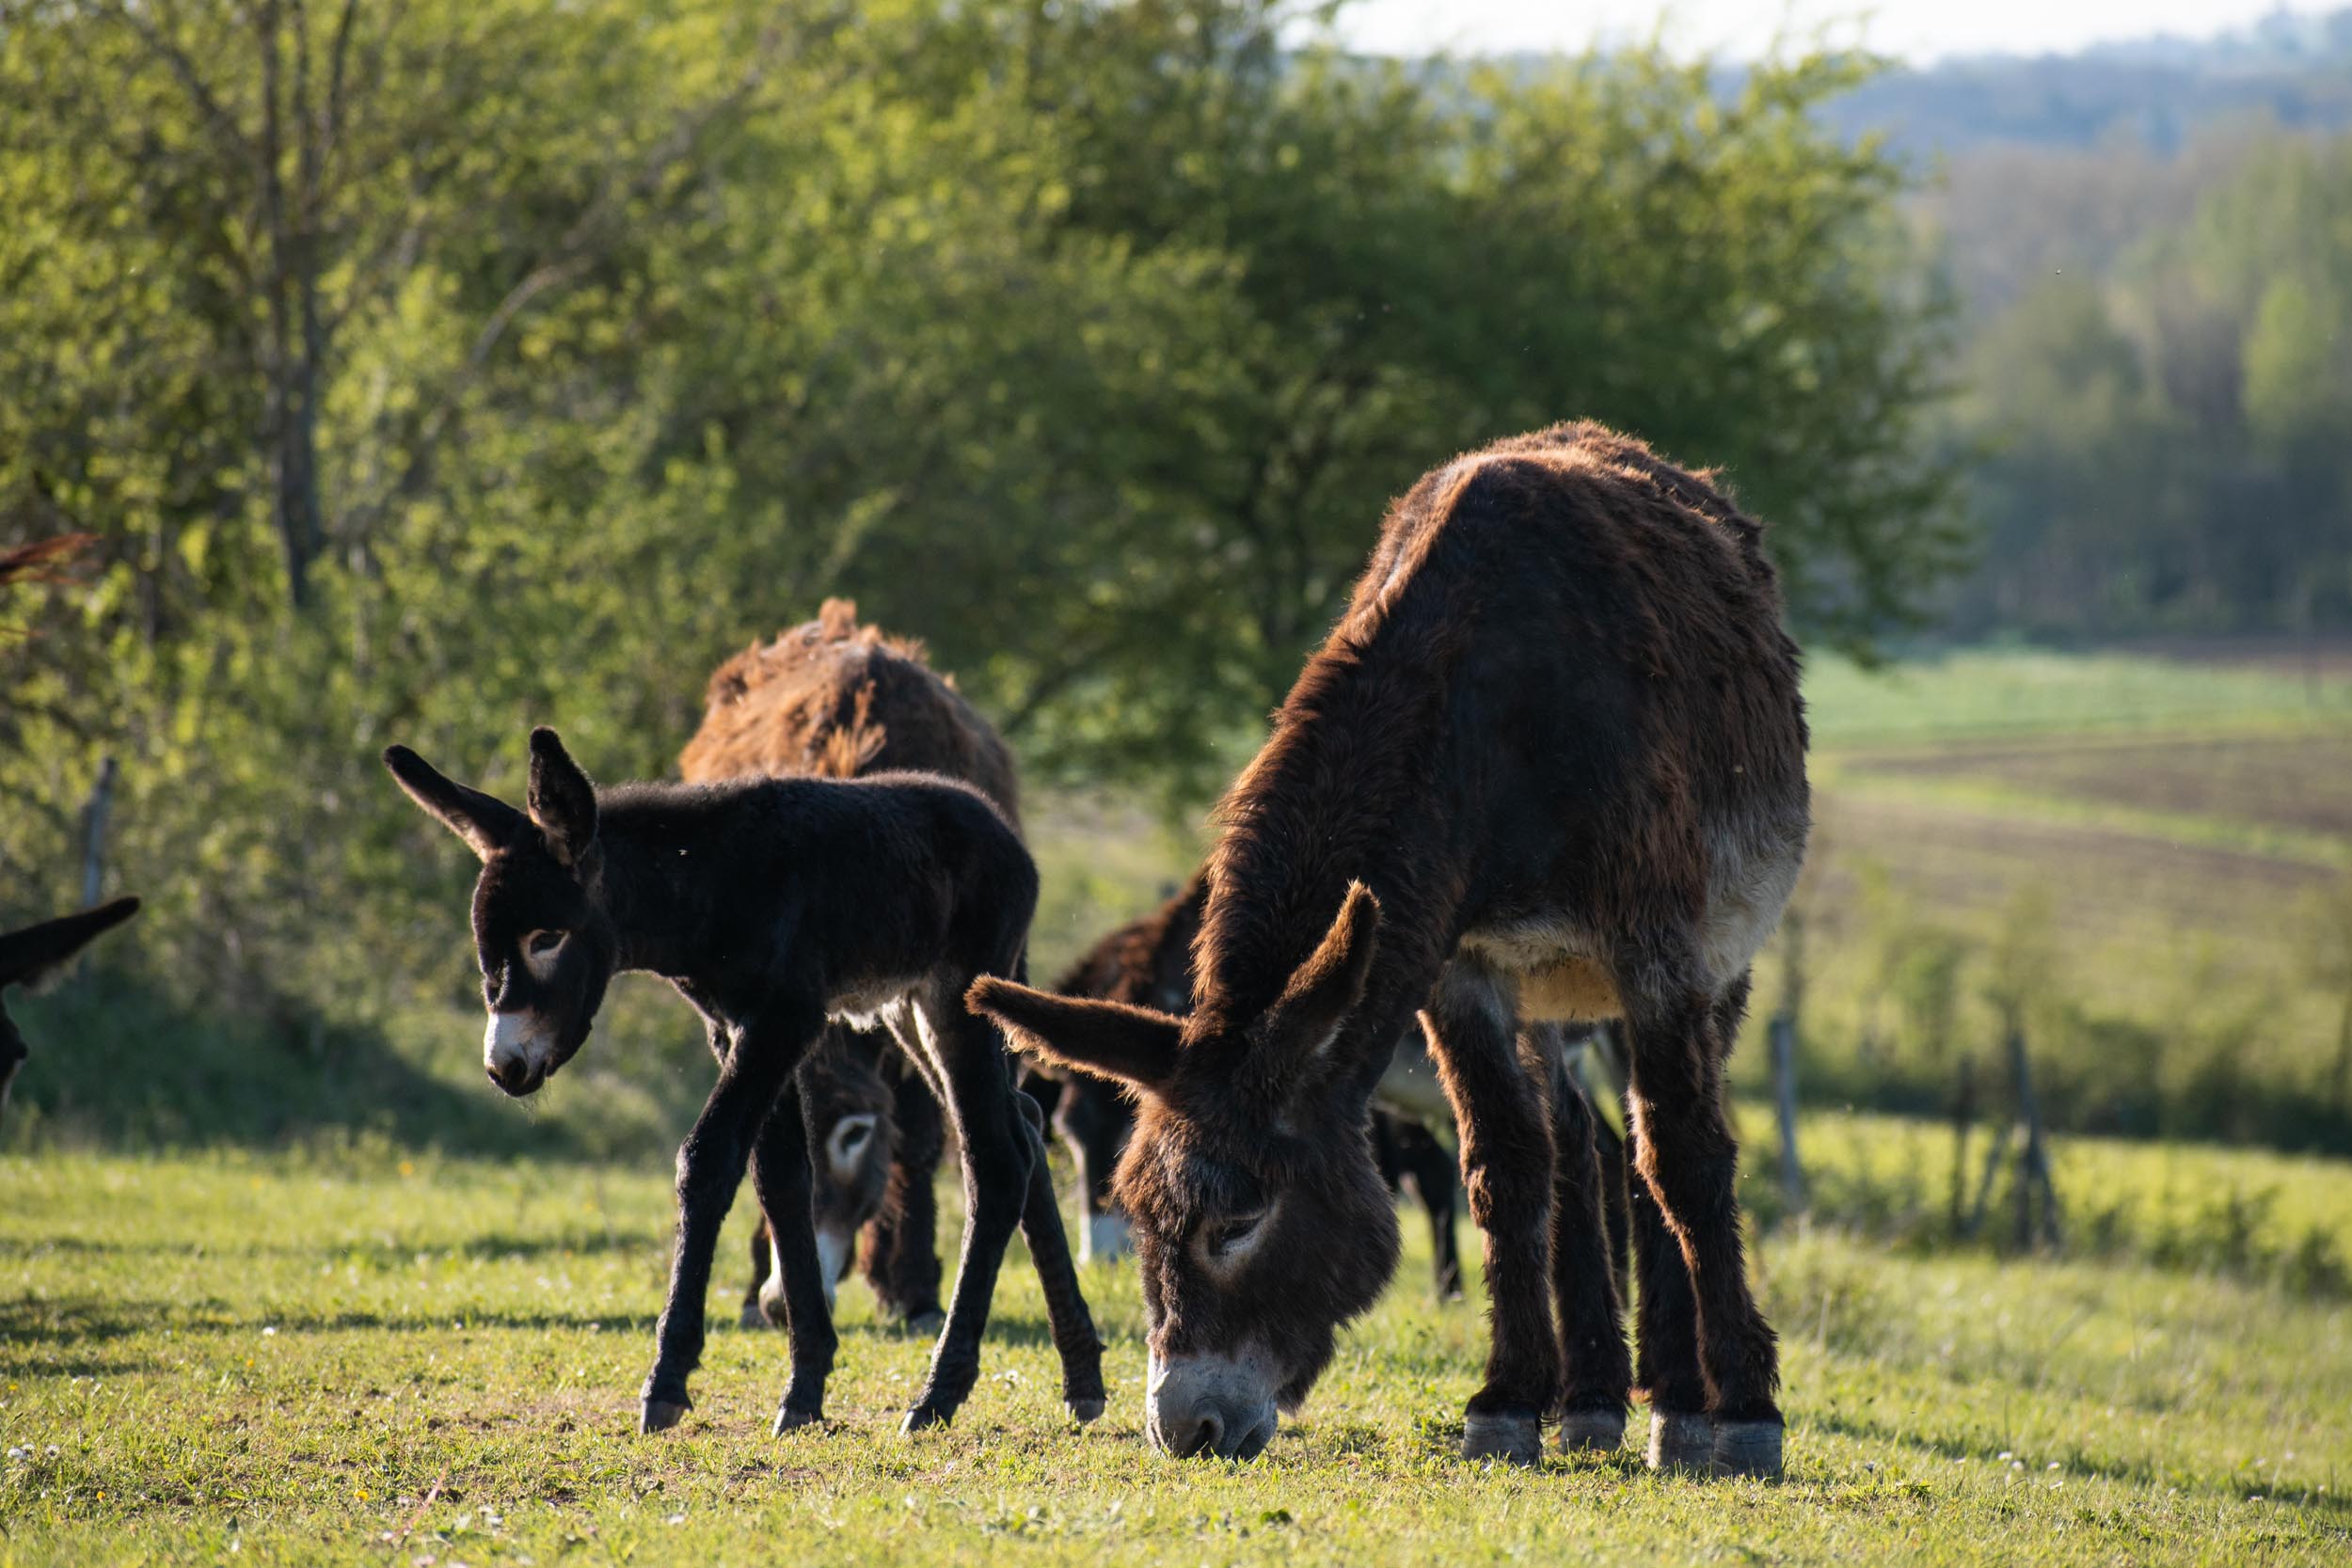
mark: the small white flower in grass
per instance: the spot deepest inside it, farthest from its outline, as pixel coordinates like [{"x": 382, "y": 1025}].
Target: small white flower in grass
[
  {"x": 53, "y": 1450},
  {"x": 269, "y": 1331},
  {"x": 2054, "y": 1465},
  {"x": 2007, "y": 1456},
  {"x": 676, "y": 1519}
]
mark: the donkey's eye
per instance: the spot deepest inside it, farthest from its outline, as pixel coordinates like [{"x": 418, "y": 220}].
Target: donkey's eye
[
  {"x": 540, "y": 943},
  {"x": 1233, "y": 1230}
]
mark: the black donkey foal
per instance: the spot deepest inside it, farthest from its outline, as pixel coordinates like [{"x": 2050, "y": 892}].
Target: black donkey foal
[{"x": 774, "y": 905}]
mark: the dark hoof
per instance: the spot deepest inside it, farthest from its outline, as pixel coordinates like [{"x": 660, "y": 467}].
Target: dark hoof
[
  {"x": 789, "y": 1419},
  {"x": 1592, "y": 1432},
  {"x": 661, "y": 1414},
  {"x": 1085, "y": 1411},
  {"x": 926, "y": 1325},
  {"x": 1514, "y": 1439},
  {"x": 1748, "y": 1449},
  {"x": 1680, "y": 1440},
  {"x": 755, "y": 1316},
  {"x": 925, "y": 1417}
]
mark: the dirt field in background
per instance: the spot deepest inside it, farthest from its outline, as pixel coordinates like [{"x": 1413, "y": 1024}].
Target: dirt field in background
[{"x": 2302, "y": 782}]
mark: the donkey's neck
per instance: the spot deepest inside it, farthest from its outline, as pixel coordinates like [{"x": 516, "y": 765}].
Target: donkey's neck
[
  {"x": 663, "y": 886},
  {"x": 1342, "y": 791}
]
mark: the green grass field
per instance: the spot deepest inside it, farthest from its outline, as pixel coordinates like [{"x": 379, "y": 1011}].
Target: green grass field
[{"x": 429, "y": 1361}]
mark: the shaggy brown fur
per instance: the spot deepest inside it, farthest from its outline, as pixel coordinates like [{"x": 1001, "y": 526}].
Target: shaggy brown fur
[
  {"x": 834, "y": 700},
  {"x": 1552, "y": 765}
]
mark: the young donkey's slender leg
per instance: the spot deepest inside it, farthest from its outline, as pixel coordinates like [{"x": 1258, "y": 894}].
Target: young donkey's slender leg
[
  {"x": 1688, "y": 1156},
  {"x": 710, "y": 1166},
  {"x": 1074, "y": 1339},
  {"x": 780, "y": 1173},
  {"x": 970, "y": 1060},
  {"x": 1506, "y": 1168},
  {"x": 1600, "y": 1375}
]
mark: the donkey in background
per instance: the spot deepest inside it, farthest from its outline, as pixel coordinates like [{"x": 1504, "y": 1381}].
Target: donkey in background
[
  {"x": 1550, "y": 766},
  {"x": 34, "y": 954},
  {"x": 774, "y": 906},
  {"x": 833, "y": 699}
]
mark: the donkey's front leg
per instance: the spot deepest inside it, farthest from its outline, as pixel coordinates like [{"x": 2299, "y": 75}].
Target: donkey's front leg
[
  {"x": 997, "y": 1161},
  {"x": 1507, "y": 1170},
  {"x": 710, "y": 1166}
]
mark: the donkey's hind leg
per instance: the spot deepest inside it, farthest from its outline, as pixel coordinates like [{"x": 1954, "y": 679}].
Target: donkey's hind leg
[
  {"x": 780, "y": 1174},
  {"x": 1688, "y": 1157},
  {"x": 1598, "y": 1374},
  {"x": 999, "y": 1154},
  {"x": 1074, "y": 1338}
]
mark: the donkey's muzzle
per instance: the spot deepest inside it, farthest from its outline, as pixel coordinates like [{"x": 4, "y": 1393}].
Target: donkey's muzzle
[
  {"x": 1209, "y": 1408},
  {"x": 517, "y": 1079},
  {"x": 1216, "y": 1432}
]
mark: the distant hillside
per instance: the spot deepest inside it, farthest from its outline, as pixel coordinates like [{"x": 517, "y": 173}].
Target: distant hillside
[{"x": 2157, "y": 93}]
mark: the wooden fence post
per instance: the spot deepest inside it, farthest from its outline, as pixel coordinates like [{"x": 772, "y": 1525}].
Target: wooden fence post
[
  {"x": 1783, "y": 1037},
  {"x": 1963, "y": 1114},
  {"x": 94, "y": 833},
  {"x": 1782, "y": 1033},
  {"x": 2033, "y": 1161}
]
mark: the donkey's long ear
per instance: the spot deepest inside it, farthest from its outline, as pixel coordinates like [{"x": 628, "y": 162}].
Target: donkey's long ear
[
  {"x": 32, "y": 955},
  {"x": 1299, "y": 1028},
  {"x": 485, "y": 823},
  {"x": 563, "y": 801},
  {"x": 1126, "y": 1045}
]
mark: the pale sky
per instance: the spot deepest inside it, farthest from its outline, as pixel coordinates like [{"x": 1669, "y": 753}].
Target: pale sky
[{"x": 1918, "y": 30}]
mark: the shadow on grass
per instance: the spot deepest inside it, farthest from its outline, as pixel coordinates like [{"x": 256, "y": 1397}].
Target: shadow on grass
[
  {"x": 2077, "y": 1464},
  {"x": 118, "y": 1063}
]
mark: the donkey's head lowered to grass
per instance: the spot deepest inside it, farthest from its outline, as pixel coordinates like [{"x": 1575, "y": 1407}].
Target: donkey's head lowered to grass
[
  {"x": 541, "y": 931},
  {"x": 1261, "y": 1221}
]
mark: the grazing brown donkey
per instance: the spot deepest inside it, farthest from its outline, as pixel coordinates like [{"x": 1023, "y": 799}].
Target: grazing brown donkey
[
  {"x": 776, "y": 906},
  {"x": 1548, "y": 766}
]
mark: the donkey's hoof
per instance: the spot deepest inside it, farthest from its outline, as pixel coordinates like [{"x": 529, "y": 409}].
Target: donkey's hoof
[
  {"x": 755, "y": 1316},
  {"x": 661, "y": 1414},
  {"x": 769, "y": 1308},
  {"x": 1085, "y": 1411},
  {"x": 926, "y": 1325},
  {"x": 1592, "y": 1432},
  {"x": 789, "y": 1419},
  {"x": 1748, "y": 1449},
  {"x": 1680, "y": 1440},
  {"x": 1514, "y": 1439},
  {"x": 925, "y": 1417}
]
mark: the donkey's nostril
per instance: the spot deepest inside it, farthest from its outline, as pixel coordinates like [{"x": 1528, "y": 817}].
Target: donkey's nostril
[{"x": 1201, "y": 1440}]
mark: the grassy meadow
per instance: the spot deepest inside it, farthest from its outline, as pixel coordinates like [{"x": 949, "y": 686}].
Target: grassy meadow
[
  {"x": 426, "y": 1361},
  {"x": 339, "y": 1302}
]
